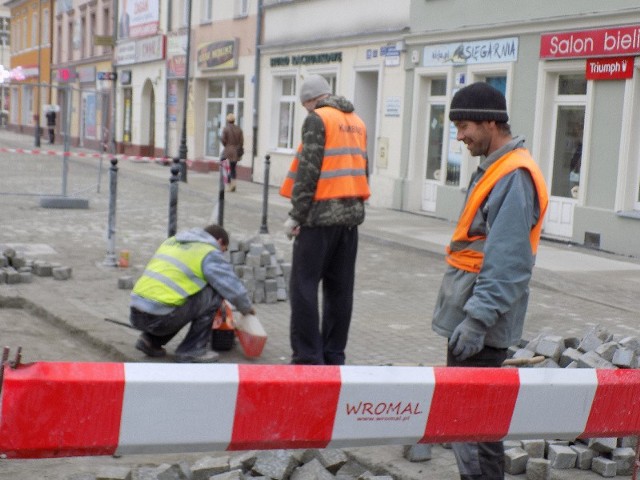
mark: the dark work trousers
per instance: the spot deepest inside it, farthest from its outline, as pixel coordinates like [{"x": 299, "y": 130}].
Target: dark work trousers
[
  {"x": 232, "y": 170},
  {"x": 480, "y": 460},
  {"x": 199, "y": 310},
  {"x": 324, "y": 255}
]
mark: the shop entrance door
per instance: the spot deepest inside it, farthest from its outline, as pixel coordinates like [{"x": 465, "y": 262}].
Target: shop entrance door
[{"x": 564, "y": 187}]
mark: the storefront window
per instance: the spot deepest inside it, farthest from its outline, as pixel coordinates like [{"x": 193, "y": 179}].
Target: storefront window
[
  {"x": 224, "y": 96},
  {"x": 286, "y": 112}
]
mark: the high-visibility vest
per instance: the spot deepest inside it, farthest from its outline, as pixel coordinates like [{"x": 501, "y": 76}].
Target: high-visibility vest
[
  {"x": 344, "y": 167},
  {"x": 174, "y": 273},
  {"x": 466, "y": 252}
]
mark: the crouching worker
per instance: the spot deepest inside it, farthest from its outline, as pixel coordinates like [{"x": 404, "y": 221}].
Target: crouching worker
[{"x": 185, "y": 282}]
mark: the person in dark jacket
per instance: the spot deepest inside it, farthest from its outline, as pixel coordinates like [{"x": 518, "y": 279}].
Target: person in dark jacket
[
  {"x": 233, "y": 142},
  {"x": 328, "y": 185},
  {"x": 184, "y": 283},
  {"x": 51, "y": 125}
]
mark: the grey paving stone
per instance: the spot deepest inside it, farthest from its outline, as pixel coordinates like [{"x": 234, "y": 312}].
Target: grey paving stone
[
  {"x": 534, "y": 448},
  {"x": 603, "y": 445},
  {"x": 562, "y": 457},
  {"x": 624, "y": 458},
  {"x": 276, "y": 464},
  {"x": 604, "y": 466},
  {"x": 312, "y": 470},
  {"x": 551, "y": 346},
  {"x": 114, "y": 473},
  {"x": 515, "y": 461},
  {"x": 538, "y": 469},
  {"x": 420, "y": 452},
  {"x": 209, "y": 466},
  {"x": 584, "y": 456}
]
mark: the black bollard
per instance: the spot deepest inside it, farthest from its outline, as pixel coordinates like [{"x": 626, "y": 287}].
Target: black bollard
[
  {"x": 265, "y": 194},
  {"x": 110, "y": 259},
  {"x": 173, "y": 199},
  {"x": 221, "y": 194}
]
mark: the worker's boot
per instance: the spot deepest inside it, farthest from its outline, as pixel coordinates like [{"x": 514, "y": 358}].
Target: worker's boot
[{"x": 232, "y": 185}]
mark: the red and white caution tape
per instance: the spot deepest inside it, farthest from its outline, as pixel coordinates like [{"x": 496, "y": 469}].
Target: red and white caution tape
[
  {"x": 71, "y": 409},
  {"x": 134, "y": 158}
]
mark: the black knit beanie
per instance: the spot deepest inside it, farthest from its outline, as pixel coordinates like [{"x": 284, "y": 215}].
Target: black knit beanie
[{"x": 478, "y": 102}]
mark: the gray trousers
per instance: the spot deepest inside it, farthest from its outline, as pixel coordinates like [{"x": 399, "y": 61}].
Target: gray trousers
[
  {"x": 198, "y": 310},
  {"x": 480, "y": 460}
]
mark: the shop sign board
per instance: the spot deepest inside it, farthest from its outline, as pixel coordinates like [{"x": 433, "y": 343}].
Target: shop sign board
[
  {"x": 603, "y": 42},
  {"x": 609, "y": 68},
  {"x": 466, "y": 53}
]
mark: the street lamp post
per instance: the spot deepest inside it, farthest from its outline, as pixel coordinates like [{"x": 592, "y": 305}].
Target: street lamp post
[
  {"x": 182, "y": 152},
  {"x": 39, "y": 90}
]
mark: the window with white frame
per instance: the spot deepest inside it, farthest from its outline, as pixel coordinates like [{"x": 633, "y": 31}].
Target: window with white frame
[
  {"x": 287, "y": 100},
  {"x": 242, "y": 8},
  {"x": 34, "y": 29},
  {"x": 436, "y": 104},
  {"x": 45, "y": 26},
  {"x": 570, "y": 104},
  {"x": 224, "y": 96},
  {"x": 206, "y": 10},
  {"x": 24, "y": 34}
]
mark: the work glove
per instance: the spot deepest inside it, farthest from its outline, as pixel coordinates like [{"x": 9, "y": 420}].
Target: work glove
[
  {"x": 467, "y": 339},
  {"x": 291, "y": 228}
]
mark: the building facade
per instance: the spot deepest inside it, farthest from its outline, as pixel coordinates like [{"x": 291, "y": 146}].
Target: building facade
[
  {"x": 31, "y": 58},
  {"x": 569, "y": 71}
]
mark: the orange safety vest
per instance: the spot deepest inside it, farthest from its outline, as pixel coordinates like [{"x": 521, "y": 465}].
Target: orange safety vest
[
  {"x": 344, "y": 166},
  {"x": 466, "y": 252}
]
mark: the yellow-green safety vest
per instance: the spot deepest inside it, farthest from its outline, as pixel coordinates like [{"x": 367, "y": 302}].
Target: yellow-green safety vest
[{"x": 174, "y": 273}]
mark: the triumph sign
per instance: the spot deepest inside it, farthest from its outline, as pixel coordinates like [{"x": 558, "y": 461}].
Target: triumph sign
[{"x": 615, "y": 68}]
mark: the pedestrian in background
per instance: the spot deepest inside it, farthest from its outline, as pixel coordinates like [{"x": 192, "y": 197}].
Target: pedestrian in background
[
  {"x": 484, "y": 294},
  {"x": 51, "y": 125},
  {"x": 185, "y": 282},
  {"x": 233, "y": 142},
  {"x": 328, "y": 185}
]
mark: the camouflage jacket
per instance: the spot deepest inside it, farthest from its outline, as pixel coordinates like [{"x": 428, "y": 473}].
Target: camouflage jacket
[{"x": 307, "y": 211}]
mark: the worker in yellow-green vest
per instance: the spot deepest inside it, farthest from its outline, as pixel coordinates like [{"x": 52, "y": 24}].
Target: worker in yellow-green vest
[{"x": 185, "y": 282}]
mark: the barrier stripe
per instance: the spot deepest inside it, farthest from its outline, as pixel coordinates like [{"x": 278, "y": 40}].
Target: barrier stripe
[
  {"x": 61, "y": 409},
  {"x": 60, "y": 153},
  {"x": 296, "y": 415},
  {"x": 454, "y": 408},
  {"x": 72, "y": 409},
  {"x": 616, "y": 406}
]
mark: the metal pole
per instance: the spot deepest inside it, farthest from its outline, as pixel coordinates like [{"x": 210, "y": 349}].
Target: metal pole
[
  {"x": 39, "y": 26},
  {"x": 67, "y": 126},
  {"x": 173, "y": 198},
  {"x": 110, "y": 259},
  {"x": 221, "y": 194},
  {"x": 265, "y": 194},
  {"x": 256, "y": 84},
  {"x": 183, "y": 139}
]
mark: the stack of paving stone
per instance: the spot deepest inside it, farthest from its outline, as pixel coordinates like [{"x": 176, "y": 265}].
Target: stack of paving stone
[
  {"x": 265, "y": 465},
  {"x": 608, "y": 457},
  {"x": 15, "y": 267},
  {"x": 263, "y": 272}
]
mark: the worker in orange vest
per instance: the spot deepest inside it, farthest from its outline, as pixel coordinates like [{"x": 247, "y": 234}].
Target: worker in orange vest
[
  {"x": 483, "y": 299},
  {"x": 328, "y": 185}
]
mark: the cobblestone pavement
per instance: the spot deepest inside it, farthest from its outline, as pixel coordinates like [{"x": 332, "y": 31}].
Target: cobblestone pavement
[{"x": 400, "y": 264}]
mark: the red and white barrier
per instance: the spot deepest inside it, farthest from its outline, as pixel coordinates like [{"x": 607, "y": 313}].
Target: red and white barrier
[
  {"x": 72, "y": 409},
  {"x": 60, "y": 153}
]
